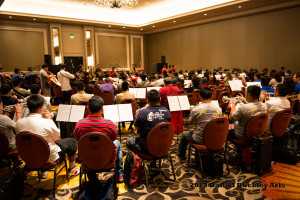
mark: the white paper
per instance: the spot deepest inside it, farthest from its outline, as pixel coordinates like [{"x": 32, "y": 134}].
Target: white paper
[
  {"x": 184, "y": 102},
  {"x": 77, "y": 113},
  {"x": 218, "y": 77},
  {"x": 115, "y": 79},
  {"x": 125, "y": 112},
  {"x": 47, "y": 99},
  {"x": 242, "y": 75},
  {"x": 215, "y": 102},
  {"x": 153, "y": 88},
  {"x": 236, "y": 85},
  {"x": 253, "y": 83},
  {"x": 63, "y": 113},
  {"x": 173, "y": 103},
  {"x": 111, "y": 112},
  {"x": 224, "y": 74},
  {"x": 180, "y": 75},
  {"x": 186, "y": 83},
  {"x": 140, "y": 93},
  {"x": 200, "y": 75},
  {"x": 133, "y": 91}
]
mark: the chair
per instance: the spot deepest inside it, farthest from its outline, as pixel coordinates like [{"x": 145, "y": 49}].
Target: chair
[
  {"x": 220, "y": 99},
  {"x": 35, "y": 151},
  {"x": 4, "y": 150},
  {"x": 183, "y": 92},
  {"x": 86, "y": 110},
  {"x": 96, "y": 152},
  {"x": 159, "y": 141},
  {"x": 96, "y": 91},
  {"x": 179, "y": 85},
  {"x": 280, "y": 122},
  {"x": 74, "y": 90},
  {"x": 57, "y": 92},
  {"x": 214, "y": 94},
  {"x": 192, "y": 99},
  {"x": 197, "y": 95},
  {"x": 236, "y": 93},
  {"x": 107, "y": 97},
  {"x": 214, "y": 135}
]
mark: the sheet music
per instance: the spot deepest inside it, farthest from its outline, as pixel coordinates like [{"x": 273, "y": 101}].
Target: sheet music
[
  {"x": 186, "y": 83},
  {"x": 235, "y": 85},
  {"x": 125, "y": 112},
  {"x": 224, "y": 74},
  {"x": 215, "y": 102},
  {"x": 200, "y": 75},
  {"x": 173, "y": 103},
  {"x": 47, "y": 99},
  {"x": 218, "y": 77},
  {"x": 253, "y": 83},
  {"x": 242, "y": 75},
  {"x": 180, "y": 75},
  {"x": 184, "y": 102},
  {"x": 140, "y": 93},
  {"x": 115, "y": 79},
  {"x": 153, "y": 88},
  {"x": 63, "y": 113},
  {"x": 111, "y": 112},
  {"x": 77, "y": 113},
  {"x": 133, "y": 91}
]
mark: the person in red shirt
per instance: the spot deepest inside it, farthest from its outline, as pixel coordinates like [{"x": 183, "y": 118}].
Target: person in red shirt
[
  {"x": 112, "y": 73},
  {"x": 95, "y": 123},
  {"x": 176, "y": 116},
  {"x": 172, "y": 69},
  {"x": 164, "y": 69}
]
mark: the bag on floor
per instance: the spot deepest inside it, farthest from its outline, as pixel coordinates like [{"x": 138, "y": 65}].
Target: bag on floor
[
  {"x": 212, "y": 164},
  {"x": 284, "y": 155},
  {"x": 133, "y": 170},
  {"x": 11, "y": 186}
]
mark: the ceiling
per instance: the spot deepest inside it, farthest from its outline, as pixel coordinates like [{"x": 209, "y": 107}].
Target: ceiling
[{"x": 147, "y": 17}]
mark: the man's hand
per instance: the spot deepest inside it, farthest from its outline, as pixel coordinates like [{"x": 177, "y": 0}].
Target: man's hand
[
  {"x": 47, "y": 114},
  {"x": 18, "y": 108},
  {"x": 14, "y": 96}
]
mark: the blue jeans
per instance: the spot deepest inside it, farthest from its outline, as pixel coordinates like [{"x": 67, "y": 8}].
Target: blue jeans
[{"x": 119, "y": 154}]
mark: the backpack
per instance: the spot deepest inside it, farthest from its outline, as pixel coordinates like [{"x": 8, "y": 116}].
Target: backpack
[{"x": 133, "y": 170}]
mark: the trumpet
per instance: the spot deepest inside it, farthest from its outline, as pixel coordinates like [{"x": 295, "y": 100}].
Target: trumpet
[
  {"x": 12, "y": 107},
  {"x": 293, "y": 97},
  {"x": 227, "y": 99}
]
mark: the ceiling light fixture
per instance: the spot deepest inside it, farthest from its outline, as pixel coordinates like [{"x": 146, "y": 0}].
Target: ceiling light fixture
[
  {"x": 34, "y": 19},
  {"x": 9, "y": 17},
  {"x": 240, "y": 7},
  {"x": 123, "y": 26},
  {"x": 109, "y": 26},
  {"x": 142, "y": 29},
  {"x": 116, "y": 3},
  {"x": 174, "y": 21},
  {"x": 205, "y": 14},
  {"x": 153, "y": 26}
]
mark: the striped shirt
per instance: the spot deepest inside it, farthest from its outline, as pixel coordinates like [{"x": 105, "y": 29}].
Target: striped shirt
[{"x": 95, "y": 123}]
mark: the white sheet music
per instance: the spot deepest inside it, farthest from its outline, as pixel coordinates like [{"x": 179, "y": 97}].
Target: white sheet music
[
  {"x": 218, "y": 77},
  {"x": 242, "y": 75},
  {"x": 184, "y": 102},
  {"x": 77, "y": 113},
  {"x": 200, "y": 75},
  {"x": 47, "y": 99},
  {"x": 186, "y": 83},
  {"x": 253, "y": 83},
  {"x": 63, "y": 113},
  {"x": 215, "y": 102},
  {"x": 140, "y": 93},
  {"x": 115, "y": 79},
  {"x": 153, "y": 88},
  {"x": 180, "y": 75},
  {"x": 133, "y": 91},
  {"x": 111, "y": 112},
  {"x": 224, "y": 74},
  {"x": 236, "y": 85},
  {"x": 173, "y": 103},
  {"x": 125, "y": 112}
]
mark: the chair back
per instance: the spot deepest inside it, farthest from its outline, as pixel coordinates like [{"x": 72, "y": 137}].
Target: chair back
[
  {"x": 220, "y": 100},
  {"x": 280, "y": 122},
  {"x": 133, "y": 105},
  {"x": 236, "y": 93},
  {"x": 159, "y": 139},
  {"x": 74, "y": 90},
  {"x": 57, "y": 91},
  {"x": 86, "y": 110},
  {"x": 256, "y": 126},
  {"x": 96, "y": 91},
  {"x": 95, "y": 150},
  {"x": 197, "y": 95},
  {"x": 4, "y": 146},
  {"x": 107, "y": 97},
  {"x": 215, "y": 133},
  {"x": 183, "y": 92},
  {"x": 214, "y": 93},
  {"x": 192, "y": 99},
  {"x": 33, "y": 149}
]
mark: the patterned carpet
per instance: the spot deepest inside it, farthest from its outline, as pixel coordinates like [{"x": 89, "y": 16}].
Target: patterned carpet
[{"x": 237, "y": 185}]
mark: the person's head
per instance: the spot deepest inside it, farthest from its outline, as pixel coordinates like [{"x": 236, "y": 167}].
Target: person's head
[
  {"x": 45, "y": 67},
  {"x": 265, "y": 80},
  {"x": 277, "y": 77},
  {"x": 17, "y": 70},
  {"x": 35, "y": 89},
  {"x": 257, "y": 76},
  {"x": 205, "y": 93},
  {"x": 106, "y": 75},
  {"x": 29, "y": 69},
  {"x": 5, "y": 89},
  {"x": 124, "y": 77},
  {"x": 159, "y": 76},
  {"x": 113, "y": 68},
  {"x": 229, "y": 75},
  {"x": 153, "y": 78},
  {"x": 143, "y": 77},
  {"x": 252, "y": 93},
  {"x": 35, "y": 103},
  {"x": 168, "y": 81},
  {"x": 175, "y": 74},
  {"x": 153, "y": 97},
  {"x": 196, "y": 81},
  {"x": 80, "y": 85},
  {"x": 81, "y": 68},
  {"x": 298, "y": 77},
  {"x": 1, "y": 69},
  {"x": 281, "y": 90},
  {"x": 16, "y": 82},
  {"x": 62, "y": 66},
  {"x": 125, "y": 86},
  {"x": 107, "y": 80},
  {"x": 96, "y": 105}
]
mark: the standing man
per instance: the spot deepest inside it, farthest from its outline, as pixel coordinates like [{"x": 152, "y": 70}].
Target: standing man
[
  {"x": 44, "y": 81},
  {"x": 64, "y": 78}
]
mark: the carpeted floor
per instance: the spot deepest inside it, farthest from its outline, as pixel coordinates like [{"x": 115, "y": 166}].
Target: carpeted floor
[{"x": 237, "y": 185}]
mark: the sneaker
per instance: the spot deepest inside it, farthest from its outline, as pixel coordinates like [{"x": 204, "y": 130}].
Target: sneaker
[
  {"x": 44, "y": 175},
  {"x": 121, "y": 179}
]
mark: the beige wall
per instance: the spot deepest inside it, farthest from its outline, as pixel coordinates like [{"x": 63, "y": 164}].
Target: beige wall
[
  {"x": 265, "y": 40},
  {"x": 137, "y": 54},
  {"x": 73, "y": 46}
]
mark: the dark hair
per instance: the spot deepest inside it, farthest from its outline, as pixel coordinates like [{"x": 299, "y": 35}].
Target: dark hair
[
  {"x": 35, "y": 88},
  {"x": 206, "y": 93},
  {"x": 277, "y": 77},
  {"x": 1, "y": 68},
  {"x": 16, "y": 70},
  {"x": 16, "y": 82},
  {"x": 298, "y": 75},
  {"x": 44, "y": 66},
  {"x": 125, "y": 86},
  {"x": 289, "y": 84},
  {"x": 79, "y": 85},
  {"x": 124, "y": 77},
  {"x": 5, "y": 88},
  {"x": 95, "y": 104},
  {"x": 62, "y": 66},
  {"x": 153, "y": 96},
  {"x": 196, "y": 81},
  {"x": 265, "y": 80},
  {"x": 107, "y": 80},
  {"x": 254, "y": 91},
  {"x": 175, "y": 74},
  {"x": 257, "y": 75},
  {"x": 35, "y": 102},
  {"x": 160, "y": 76},
  {"x": 204, "y": 80},
  {"x": 167, "y": 82},
  {"x": 282, "y": 90},
  {"x": 143, "y": 77},
  {"x": 29, "y": 69}
]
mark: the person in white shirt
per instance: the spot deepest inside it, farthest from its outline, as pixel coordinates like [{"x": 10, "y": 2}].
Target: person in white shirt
[
  {"x": 276, "y": 104},
  {"x": 246, "y": 111},
  {"x": 200, "y": 116},
  {"x": 64, "y": 78},
  {"x": 46, "y": 128}
]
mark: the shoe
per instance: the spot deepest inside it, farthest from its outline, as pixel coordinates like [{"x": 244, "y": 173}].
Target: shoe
[
  {"x": 44, "y": 175},
  {"x": 121, "y": 179}
]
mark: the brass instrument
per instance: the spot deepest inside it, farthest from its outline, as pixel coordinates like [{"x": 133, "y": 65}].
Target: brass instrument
[
  {"x": 227, "y": 99},
  {"x": 293, "y": 97},
  {"x": 12, "y": 107}
]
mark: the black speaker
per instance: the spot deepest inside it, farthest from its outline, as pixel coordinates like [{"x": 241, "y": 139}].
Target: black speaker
[
  {"x": 157, "y": 67},
  {"x": 47, "y": 59},
  {"x": 163, "y": 59}
]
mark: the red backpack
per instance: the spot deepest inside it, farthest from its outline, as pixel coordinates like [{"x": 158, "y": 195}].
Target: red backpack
[{"x": 133, "y": 170}]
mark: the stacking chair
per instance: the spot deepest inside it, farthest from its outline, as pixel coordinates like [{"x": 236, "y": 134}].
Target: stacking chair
[
  {"x": 4, "y": 150},
  {"x": 96, "y": 152},
  {"x": 214, "y": 135},
  {"x": 192, "y": 99},
  {"x": 107, "y": 97},
  {"x": 159, "y": 141},
  {"x": 86, "y": 110},
  {"x": 179, "y": 85},
  {"x": 197, "y": 95},
  {"x": 35, "y": 151},
  {"x": 96, "y": 91},
  {"x": 220, "y": 100},
  {"x": 281, "y": 122},
  {"x": 214, "y": 93}
]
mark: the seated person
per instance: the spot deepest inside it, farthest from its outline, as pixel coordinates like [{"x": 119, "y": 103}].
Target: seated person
[
  {"x": 153, "y": 82},
  {"x": 95, "y": 123},
  {"x": 264, "y": 80},
  {"x": 80, "y": 96},
  {"x": 47, "y": 129},
  {"x": 201, "y": 115},
  {"x": 7, "y": 98},
  {"x": 276, "y": 104},
  {"x": 196, "y": 85},
  {"x": 108, "y": 86},
  {"x": 17, "y": 90},
  {"x": 257, "y": 77},
  {"x": 36, "y": 89},
  {"x": 8, "y": 127},
  {"x": 30, "y": 77},
  {"x": 143, "y": 83},
  {"x": 17, "y": 76},
  {"x": 146, "y": 119},
  {"x": 246, "y": 111},
  {"x": 176, "y": 78},
  {"x": 297, "y": 82}
]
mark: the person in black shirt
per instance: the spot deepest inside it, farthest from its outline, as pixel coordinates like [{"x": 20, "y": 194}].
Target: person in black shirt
[
  {"x": 176, "y": 79},
  {"x": 196, "y": 85},
  {"x": 6, "y": 97}
]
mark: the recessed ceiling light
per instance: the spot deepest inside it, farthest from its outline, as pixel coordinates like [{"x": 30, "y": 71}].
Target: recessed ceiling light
[
  {"x": 123, "y": 26},
  {"x": 174, "y": 21},
  {"x": 9, "y": 17},
  {"x": 109, "y": 26},
  {"x": 240, "y": 7},
  {"x": 34, "y": 19},
  {"x": 142, "y": 29},
  {"x": 205, "y": 14},
  {"x": 153, "y": 26}
]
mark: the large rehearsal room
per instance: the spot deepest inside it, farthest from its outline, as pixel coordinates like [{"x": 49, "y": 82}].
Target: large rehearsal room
[{"x": 149, "y": 99}]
